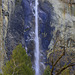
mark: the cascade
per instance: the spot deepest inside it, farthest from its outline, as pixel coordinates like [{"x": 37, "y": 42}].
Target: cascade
[{"x": 36, "y": 40}]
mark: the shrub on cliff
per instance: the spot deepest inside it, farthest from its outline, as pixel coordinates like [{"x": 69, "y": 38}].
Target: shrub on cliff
[{"x": 19, "y": 64}]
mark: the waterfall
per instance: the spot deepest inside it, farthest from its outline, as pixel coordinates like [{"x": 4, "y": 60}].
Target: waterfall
[{"x": 36, "y": 40}]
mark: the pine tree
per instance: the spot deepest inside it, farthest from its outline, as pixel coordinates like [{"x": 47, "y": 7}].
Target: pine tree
[{"x": 19, "y": 64}]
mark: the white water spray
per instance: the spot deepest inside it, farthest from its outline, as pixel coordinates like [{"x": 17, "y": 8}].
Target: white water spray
[{"x": 36, "y": 40}]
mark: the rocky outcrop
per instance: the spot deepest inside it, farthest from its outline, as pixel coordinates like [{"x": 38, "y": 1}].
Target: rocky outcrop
[
  {"x": 15, "y": 29},
  {"x": 64, "y": 20},
  {"x": 7, "y": 10},
  {"x": 2, "y": 51}
]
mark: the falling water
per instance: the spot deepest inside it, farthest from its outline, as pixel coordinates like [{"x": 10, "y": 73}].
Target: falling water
[{"x": 36, "y": 40}]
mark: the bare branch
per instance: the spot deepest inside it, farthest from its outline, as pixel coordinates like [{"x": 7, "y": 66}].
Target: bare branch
[
  {"x": 62, "y": 69},
  {"x": 57, "y": 61}
]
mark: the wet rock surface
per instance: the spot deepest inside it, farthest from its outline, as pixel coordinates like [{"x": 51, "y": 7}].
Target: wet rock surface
[{"x": 21, "y": 28}]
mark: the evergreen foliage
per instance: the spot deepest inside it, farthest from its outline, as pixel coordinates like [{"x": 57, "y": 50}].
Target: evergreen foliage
[{"x": 19, "y": 64}]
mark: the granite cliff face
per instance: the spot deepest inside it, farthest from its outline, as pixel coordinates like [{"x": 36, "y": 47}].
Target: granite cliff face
[
  {"x": 56, "y": 19},
  {"x": 2, "y": 51},
  {"x": 64, "y": 19}
]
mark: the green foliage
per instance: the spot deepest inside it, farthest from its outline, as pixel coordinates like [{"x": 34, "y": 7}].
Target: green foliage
[
  {"x": 19, "y": 64},
  {"x": 47, "y": 71},
  {"x": 66, "y": 71}
]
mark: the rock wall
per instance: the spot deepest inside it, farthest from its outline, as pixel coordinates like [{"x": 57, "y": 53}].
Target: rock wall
[
  {"x": 56, "y": 19},
  {"x": 8, "y": 7},
  {"x": 13, "y": 25},
  {"x": 64, "y": 20},
  {"x": 2, "y": 50},
  {"x": 20, "y": 28}
]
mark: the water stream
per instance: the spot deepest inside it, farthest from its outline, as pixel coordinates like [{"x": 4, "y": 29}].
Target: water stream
[{"x": 36, "y": 40}]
